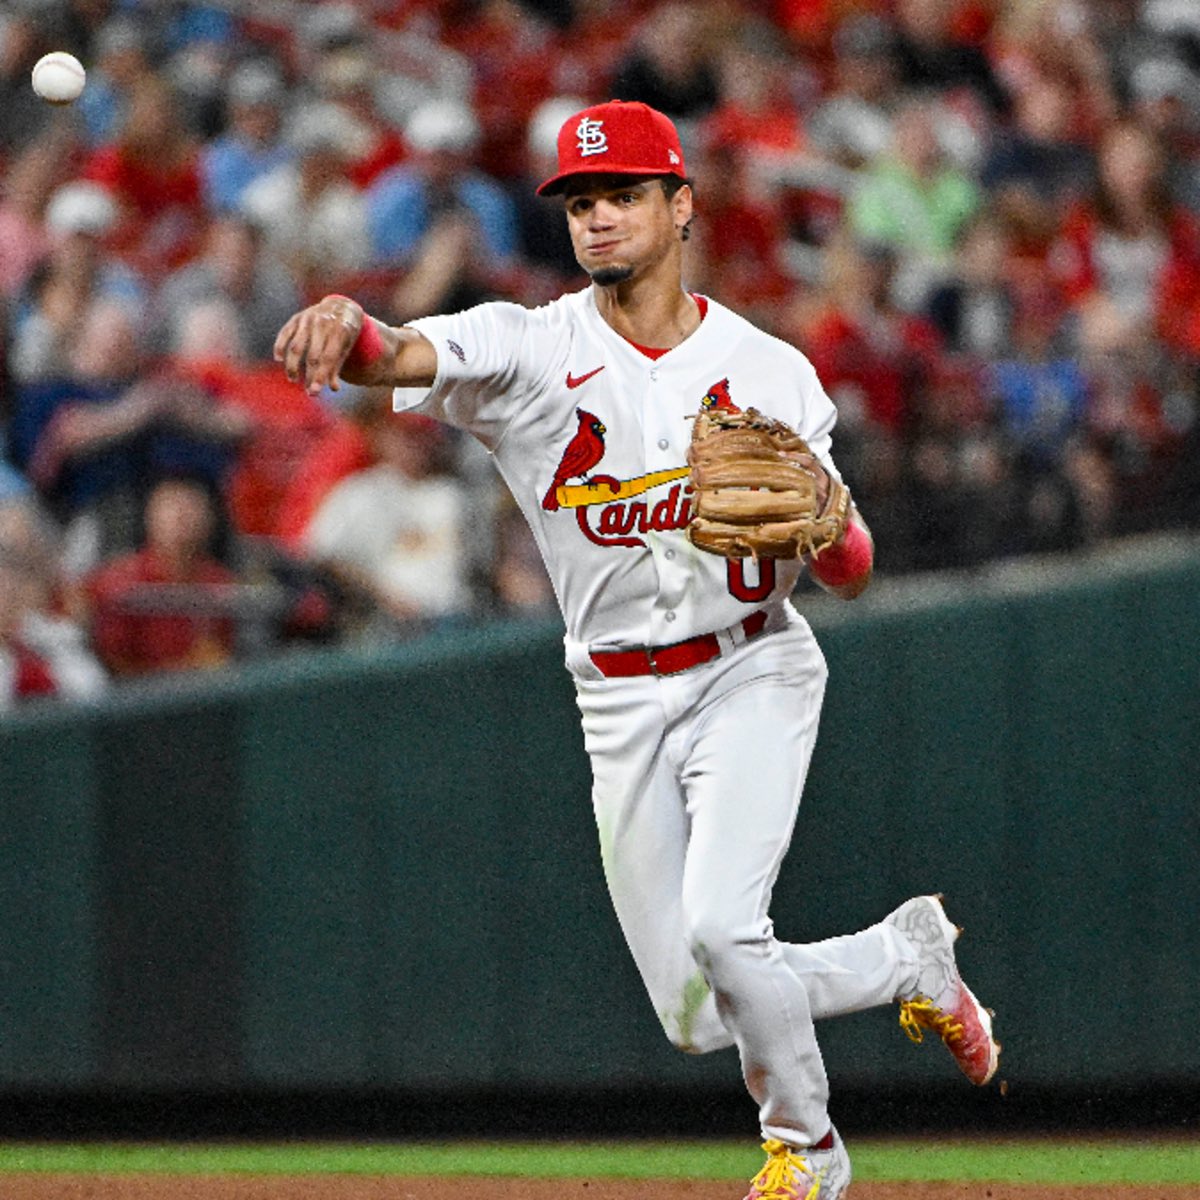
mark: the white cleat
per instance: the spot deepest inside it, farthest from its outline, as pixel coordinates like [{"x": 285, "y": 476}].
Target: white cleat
[
  {"x": 820, "y": 1172},
  {"x": 939, "y": 1000}
]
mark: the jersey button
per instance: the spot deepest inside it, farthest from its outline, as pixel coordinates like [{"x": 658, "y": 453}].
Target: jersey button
[
  {"x": 669, "y": 554},
  {"x": 663, "y": 443},
  {"x": 654, "y": 375},
  {"x": 670, "y": 615}
]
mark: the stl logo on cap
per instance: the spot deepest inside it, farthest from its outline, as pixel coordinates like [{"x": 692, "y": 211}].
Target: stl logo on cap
[
  {"x": 592, "y": 138},
  {"x": 618, "y": 137}
]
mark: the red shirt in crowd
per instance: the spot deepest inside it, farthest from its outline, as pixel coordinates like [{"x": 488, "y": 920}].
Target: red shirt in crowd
[
  {"x": 1077, "y": 263},
  {"x": 884, "y": 362},
  {"x": 287, "y": 424},
  {"x": 134, "y": 642},
  {"x": 33, "y": 675},
  {"x": 163, "y": 206}
]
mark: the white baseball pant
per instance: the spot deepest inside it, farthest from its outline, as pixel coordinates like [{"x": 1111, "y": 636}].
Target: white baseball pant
[{"x": 696, "y": 786}]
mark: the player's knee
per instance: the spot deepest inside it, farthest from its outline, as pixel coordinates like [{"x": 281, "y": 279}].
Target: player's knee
[{"x": 714, "y": 941}]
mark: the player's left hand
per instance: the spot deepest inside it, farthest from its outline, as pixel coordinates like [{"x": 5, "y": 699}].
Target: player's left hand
[
  {"x": 314, "y": 343},
  {"x": 759, "y": 490},
  {"x": 812, "y": 464}
]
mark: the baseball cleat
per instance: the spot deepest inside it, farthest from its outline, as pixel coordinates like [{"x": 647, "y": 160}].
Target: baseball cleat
[
  {"x": 939, "y": 1000},
  {"x": 820, "y": 1172}
]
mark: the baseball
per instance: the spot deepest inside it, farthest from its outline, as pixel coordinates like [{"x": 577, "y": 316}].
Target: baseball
[{"x": 58, "y": 77}]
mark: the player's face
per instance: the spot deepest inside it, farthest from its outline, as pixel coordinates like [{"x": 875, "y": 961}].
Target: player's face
[{"x": 621, "y": 227}]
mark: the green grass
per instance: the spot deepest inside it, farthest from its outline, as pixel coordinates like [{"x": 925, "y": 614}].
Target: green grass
[{"x": 1037, "y": 1162}]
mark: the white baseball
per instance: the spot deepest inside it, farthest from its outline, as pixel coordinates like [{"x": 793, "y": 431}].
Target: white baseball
[{"x": 58, "y": 77}]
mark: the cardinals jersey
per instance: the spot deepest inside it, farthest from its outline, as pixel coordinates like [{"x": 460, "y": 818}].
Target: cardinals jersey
[{"x": 591, "y": 436}]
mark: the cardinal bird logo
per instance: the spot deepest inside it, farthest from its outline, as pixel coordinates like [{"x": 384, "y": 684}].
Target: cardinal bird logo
[
  {"x": 718, "y": 396},
  {"x": 583, "y": 452}
]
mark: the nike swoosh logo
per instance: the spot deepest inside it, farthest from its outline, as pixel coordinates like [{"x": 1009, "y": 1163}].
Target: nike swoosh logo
[{"x": 573, "y": 381}]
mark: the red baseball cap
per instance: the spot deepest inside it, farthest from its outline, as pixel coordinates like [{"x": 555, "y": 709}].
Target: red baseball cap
[{"x": 616, "y": 138}]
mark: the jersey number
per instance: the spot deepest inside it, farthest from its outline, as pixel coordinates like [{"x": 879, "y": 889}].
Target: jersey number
[{"x": 751, "y": 593}]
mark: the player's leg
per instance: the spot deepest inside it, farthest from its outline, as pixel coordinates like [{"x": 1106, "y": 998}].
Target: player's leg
[
  {"x": 644, "y": 830},
  {"x": 743, "y": 765},
  {"x": 855, "y": 971},
  {"x": 643, "y": 827}
]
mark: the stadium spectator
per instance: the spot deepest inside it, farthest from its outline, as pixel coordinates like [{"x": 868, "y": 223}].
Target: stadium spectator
[
  {"x": 22, "y": 43},
  {"x": 875, "y": 458},
  {"x": 975, "y": 306},
  {"x": 512, "y": 53},
  {"x": 1127, "y": 248},
  {"x": 670, "y": 65},
  {"x": 589, "y": 51},
  {"x": 1037, "y": 40},
  {"x": 393, "y": 533},
  {"x": 25, "y": 190},
  {"x": 121, "y": 59},
  {"x": 152, "y": 171},
  {"x": 448, "y": 225},
  {"x": 313, "y": 217},
  {"x": 1165, "y": 99},
  {"x": 80, "y": 24},
  {"x": 933, "y": 57},
  {"x": 350, "y": 75},
  {"x": 875, "y": 360},
  {"x": 755, "y": 113},
  {"x": 233, "y": 268},
  {"x": 1134, "y": 422},
  {"x": 916, "y": 202},
  {"x": 43, "y": 654},
  {"x": 165, "y": 607},
  {"x": 252, "y": 144},
  {"x": 277, "y": 423},
  {"x": 545, "y": 247},
  {"x": 1038, "y": 153},
  {"x": 91, "y": 436},
  {"x": 739, "y": 248},
  {"x": 404, "y": 203},
  {"x": 339, "y": 450},
  {"x": 1040, "y": 389},
  {"x": 813, "y": 25},
  {"x": 77, "y": 272},
  {"x": 852, "y": 124}
]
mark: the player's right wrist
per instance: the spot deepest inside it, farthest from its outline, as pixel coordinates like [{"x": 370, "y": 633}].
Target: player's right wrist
[{"x": 369, "y": 347}]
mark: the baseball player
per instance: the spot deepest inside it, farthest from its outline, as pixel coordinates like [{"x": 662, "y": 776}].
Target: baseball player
[{"x": 699, "y": 684}]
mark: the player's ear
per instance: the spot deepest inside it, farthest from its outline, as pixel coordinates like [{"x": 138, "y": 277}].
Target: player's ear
[
  {"x": 681, "y": 208},
  {"x": 684, "y": 211}
]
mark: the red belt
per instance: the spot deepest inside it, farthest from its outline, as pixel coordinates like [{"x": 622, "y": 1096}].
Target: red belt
[{"x": 670, "y": 660}]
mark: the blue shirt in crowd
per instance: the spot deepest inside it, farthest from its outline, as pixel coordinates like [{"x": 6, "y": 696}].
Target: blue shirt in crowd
[
  {"x": 399, "y": 213},
  {"x": 229, "y": 165}
]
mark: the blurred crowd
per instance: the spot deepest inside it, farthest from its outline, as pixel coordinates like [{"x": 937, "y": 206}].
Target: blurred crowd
[{"x": 979, "y": 218}]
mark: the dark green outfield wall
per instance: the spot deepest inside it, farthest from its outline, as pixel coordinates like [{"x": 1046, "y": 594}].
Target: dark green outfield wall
[{"x": 381, "y": 871}]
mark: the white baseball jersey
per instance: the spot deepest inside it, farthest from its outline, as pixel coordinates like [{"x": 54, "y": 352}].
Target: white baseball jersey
[{"x": 591, "y": 436}]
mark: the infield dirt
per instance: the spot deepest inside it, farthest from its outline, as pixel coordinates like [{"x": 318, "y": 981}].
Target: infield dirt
[{"x": 337, "y": 1187}]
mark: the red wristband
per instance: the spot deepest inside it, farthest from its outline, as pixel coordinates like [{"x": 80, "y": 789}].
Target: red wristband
[
  {"x": 847, "y": 560},
  {"x": 368, "y": 347}
]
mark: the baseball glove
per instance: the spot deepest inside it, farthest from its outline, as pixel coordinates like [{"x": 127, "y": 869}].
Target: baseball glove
[{"x": 754, "y": 494}]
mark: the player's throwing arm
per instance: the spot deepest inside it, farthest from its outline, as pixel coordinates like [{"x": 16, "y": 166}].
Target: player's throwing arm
[{"x": 335, "y": 340}]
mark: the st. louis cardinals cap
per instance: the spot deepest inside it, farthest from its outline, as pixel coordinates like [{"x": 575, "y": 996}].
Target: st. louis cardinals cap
[{"x": 616, "y": 138}]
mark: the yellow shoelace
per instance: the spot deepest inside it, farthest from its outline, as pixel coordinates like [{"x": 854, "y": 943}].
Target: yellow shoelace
[
  {"x": 784, "y": 1169},
  {"x": 922, "y": 1012}
]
